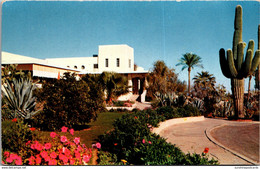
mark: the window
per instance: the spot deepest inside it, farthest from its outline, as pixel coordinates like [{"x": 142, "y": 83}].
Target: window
[
  {"x": 75, "y": 67},
  {"x": 117, "y": 62},
  {"x": 129, "y": 63},
  {"x": 82, "y": 67},
  {"x": 106, "y": 62},
  {"x": 95, "y": 66},
  {"x": 95, "y": 55}
]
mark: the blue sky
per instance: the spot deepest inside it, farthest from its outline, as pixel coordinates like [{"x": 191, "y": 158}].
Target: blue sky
[{"x": 156, "y": 30}]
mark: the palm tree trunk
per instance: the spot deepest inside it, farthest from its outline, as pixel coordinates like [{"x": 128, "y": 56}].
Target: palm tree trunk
[
  {"x": 249, "y": 84},
  {"x": 189, "y": 69},
  {"x": 237, "y": 87}
]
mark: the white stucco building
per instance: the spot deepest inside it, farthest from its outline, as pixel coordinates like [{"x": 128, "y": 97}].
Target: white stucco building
[
  {"x": 111, "y": 58},
  {"x": 116, "y": 58}
]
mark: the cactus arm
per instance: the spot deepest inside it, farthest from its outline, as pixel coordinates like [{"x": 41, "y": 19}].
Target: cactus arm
[
  {"x": 224, "y": 63},
  {"x": 240, "y": 56},
  {"x": 231, "y": 63},
  {"x": 251, "y": 45},
  {"x": 255, "y": 61},
  {"x": 248, "y": 63}
]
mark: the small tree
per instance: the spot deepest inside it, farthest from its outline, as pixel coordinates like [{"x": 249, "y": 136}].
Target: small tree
[
  {"x": 164, "y": 83},
  {"x": 68, "y": 102}
]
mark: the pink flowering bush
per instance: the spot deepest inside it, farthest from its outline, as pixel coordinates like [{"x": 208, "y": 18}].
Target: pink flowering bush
[{"x": 59, "y": 151}]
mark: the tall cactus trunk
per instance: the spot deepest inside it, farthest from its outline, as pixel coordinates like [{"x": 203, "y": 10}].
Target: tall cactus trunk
[{"x": 237, "y": 86}]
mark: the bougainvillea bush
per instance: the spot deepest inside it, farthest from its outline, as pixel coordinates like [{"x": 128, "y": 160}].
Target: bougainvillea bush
[
  {"x": 60, "y": 151},
  {"x": 132, "y": 141}
]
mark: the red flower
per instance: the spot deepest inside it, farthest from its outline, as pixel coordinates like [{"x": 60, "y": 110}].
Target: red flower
[
  {"x": 136, "y": 117},
  {"x": 32, "y": 128},
  {"x": 6, "y": 154},
  {"x": 53, "y": 162},
  {"x": 28, "y": 142},
  {"x": 38, "y": 160},
  {"x": 9, "y": 160},
  {"x": 77, "y": 140},
  {"x": 53, "y": 134},
  {"x": 63, "y": 139},
  {"x": 53, "y": 155},
  {"x": 47, "y": 158},
  {"x": 206, "y": 150},
  {"x": 149, "y": 142},
  {"x": 64, "y": 129},
  {"x": 67, "y": 152},
  {"x": 71, "y": 131},
  {"x": 18, "y": 161},
  {"x": 38, "y": 146},
  {"x": 72, "y": 161},
  {"x": 86, "y": 158},
  {"x": 47, "y": 146},
  {"x": 143, "y": 141},
  {"x": 44, "y": 154},
  {"x": 98, "y": 145},
  {"x": 115, "y": 144},
  {"x": 31, "y": 160},
  {"x": 14, "y": 120}
]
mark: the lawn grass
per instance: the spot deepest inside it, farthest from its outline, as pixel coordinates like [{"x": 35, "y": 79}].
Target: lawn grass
[{"x": 90, "y": 132}]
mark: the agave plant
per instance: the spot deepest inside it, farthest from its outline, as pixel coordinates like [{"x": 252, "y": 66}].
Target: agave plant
[
  {"x": 198, "y": 104},
  {"x": 19, "y": 98}
]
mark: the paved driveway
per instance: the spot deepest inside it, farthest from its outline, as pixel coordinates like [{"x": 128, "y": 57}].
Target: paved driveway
[{"x": 230, "y": 142}]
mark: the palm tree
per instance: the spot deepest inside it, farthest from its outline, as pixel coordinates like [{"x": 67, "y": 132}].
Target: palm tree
[
  {"x": 204, "y": 79},
  {"x": 190, "y": 61},
  {"x": 113, "y": 84}
]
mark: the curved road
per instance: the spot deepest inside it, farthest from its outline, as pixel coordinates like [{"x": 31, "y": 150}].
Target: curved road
[{"x": 240, "y": 140}]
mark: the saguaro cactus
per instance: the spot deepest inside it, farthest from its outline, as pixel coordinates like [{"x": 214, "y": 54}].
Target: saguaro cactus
[{"x": 235, "y": 67}]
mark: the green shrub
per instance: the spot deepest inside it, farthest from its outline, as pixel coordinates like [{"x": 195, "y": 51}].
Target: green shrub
[
  {"x": 106, "y": 158},
  {"x": 15, "y": 135},
  {"x": 197, "y": 159},
  {"x": 168, "y": 112},
  {"x": 118, "y": 103},
  {"x": 68, "y": 102},
  {"x": 188, "y": 111}
]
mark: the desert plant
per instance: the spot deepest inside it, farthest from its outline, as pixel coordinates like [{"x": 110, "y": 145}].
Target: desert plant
[
  {"x": 235, "y": 67},
  {"x": 180, "y": 101},
  {"x": 190, "y": 61},
  {"x": 19, "y": 98},
  {"x": 199, "y": 104}
]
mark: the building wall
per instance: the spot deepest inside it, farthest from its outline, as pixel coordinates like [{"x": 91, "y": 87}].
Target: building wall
[
  {"x": 49, "y": 72},
  {"x": 25, "y": 67},
  {"x": 111, "y": 52},
  {"x": 84, "y": 64}
]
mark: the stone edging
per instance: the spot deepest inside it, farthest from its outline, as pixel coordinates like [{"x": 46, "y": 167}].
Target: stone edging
[
  {"x": 207, "y": 133},
  {"x": 168, "y": 123}
]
